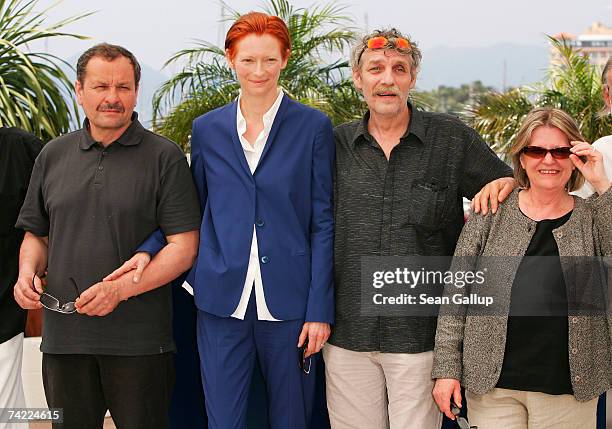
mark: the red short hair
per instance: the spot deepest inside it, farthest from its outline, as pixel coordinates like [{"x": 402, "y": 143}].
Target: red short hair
[{"x": 258, "y": 23}]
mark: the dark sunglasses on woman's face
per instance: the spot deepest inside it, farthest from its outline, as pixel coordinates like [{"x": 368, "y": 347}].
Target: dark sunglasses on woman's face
[
  {"x": 52, "y": 303},
  {"x": 540, "y": 152}
]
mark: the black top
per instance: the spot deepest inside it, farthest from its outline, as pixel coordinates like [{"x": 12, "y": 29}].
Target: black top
[
  {"x": 536, "y": 357},
  {"x": 97, "y": 205},
  {"x": 18, "y": 150},
  {"x": 408, "y": 205}
]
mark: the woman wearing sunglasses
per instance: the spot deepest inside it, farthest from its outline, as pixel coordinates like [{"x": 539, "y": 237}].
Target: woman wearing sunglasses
[{"x": 520, "y": 369}]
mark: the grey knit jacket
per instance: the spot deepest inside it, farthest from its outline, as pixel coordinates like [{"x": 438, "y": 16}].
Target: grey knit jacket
[{"x": 470, "y": 347}]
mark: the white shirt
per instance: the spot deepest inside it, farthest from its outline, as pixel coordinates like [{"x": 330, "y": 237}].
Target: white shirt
[
  {"x": 252, "y": 154},
  {"x": 604, "y": 145}
]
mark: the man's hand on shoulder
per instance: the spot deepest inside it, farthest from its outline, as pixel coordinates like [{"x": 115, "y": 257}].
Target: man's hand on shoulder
[
  {"x": 492, "y": 194},
  {"x": 100, "y": 299}
]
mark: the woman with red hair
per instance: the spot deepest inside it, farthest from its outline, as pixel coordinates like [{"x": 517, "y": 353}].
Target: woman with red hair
[{"x": 262, "y": 281}]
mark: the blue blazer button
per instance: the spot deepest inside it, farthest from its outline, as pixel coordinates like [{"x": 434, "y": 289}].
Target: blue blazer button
[
  {"x": 259, "y": 223},
  {"x": 265, "y": 259}
]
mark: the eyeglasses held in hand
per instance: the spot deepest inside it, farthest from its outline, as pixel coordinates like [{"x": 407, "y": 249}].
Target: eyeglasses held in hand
[
  {"x": 52, "y": 303},
  {"x": 540, "y": 152},
  {"x": 305, "y": 362},
  {"x": 461, "y": 421}
]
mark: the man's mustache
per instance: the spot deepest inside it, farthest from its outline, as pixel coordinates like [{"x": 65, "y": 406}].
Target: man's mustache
[
  {"x": 391, "y": 90},
  {"x": 116, "y": 106}
]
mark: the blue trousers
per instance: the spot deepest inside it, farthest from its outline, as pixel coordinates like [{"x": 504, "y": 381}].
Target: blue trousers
[
  {"x": 228, "y": 350},
  {"x": 187, "y": 407}
]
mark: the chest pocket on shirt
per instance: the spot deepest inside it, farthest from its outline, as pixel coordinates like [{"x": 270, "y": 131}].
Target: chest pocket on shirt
[{"x": 428, "y": 204}]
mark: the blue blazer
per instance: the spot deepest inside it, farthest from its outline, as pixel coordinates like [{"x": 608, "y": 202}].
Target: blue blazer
[{"x": 288, "y": 199}]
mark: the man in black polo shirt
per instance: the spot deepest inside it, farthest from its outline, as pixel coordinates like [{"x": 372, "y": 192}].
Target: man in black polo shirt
[
  {"x": 400, "y": 178},
  {"x": 18, "y": 150},
  {"x": 94, "y": 196}
]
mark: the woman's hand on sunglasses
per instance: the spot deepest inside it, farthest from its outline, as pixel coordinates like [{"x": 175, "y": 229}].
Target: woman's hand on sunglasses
[{"x": 590, "y": 162}]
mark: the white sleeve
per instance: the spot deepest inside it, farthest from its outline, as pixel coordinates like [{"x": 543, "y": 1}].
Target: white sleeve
[{"x": 604, "y": 145}]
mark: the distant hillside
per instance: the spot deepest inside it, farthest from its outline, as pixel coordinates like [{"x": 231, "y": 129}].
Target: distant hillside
[{"x": 455, "y": 66}]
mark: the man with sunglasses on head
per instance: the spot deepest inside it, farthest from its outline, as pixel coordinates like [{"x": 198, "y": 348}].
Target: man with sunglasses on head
[
  {"x": 401, "y": 174},
  {"x": 94, "y": 196}
]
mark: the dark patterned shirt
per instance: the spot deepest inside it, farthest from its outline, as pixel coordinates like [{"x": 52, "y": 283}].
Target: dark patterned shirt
[{"x": 410, "y": 204}]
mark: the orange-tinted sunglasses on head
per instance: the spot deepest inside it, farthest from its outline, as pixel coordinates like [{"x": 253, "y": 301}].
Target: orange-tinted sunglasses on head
[{"x": 381, "y": 42}]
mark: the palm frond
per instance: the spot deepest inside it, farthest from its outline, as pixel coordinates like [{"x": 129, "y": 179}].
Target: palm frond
[
  {"x": 317, "y": 34},
  {"x": 572, "y": 85},
  {"x": 34, "y": 89},
  {"x": 497, "y": 117}
]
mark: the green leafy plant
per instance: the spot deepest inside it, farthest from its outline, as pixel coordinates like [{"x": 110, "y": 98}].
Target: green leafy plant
[
  {"x": 33, "y": 88},
  {"x": 206, "y": 82},
  {"x": 572, "y": 84}
]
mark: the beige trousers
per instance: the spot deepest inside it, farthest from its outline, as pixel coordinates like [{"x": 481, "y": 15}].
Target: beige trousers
[
  {"x": 373, "y": 390},
  {"x": 516, "y": 409}
]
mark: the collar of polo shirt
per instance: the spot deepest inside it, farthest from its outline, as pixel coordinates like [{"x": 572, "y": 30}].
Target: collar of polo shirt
[{"x": 131, "y": 137}]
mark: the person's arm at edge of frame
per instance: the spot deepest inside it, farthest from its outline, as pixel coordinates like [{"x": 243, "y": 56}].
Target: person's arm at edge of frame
[
  {"x": 448, "y": 353},
  {"x": 498, "y": 188},
  {"x": 33, "y": 218},
  {"x": 602, "y": 206},
  {"x": 599, "y": 203},
  {"x": 32, "y": 261},
  {"x": 590, "y": 162},
  {"x": 320, "y": 306}
]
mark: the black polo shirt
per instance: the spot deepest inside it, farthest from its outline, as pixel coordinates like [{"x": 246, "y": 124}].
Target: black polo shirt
[
  {"x": 97, "y": 205},
  {"x": 18, "y": 150},
  {"x": 408, "y": 205}
]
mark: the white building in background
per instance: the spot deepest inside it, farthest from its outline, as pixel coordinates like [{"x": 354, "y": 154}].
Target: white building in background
[{"x": 596, "y": 42}]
